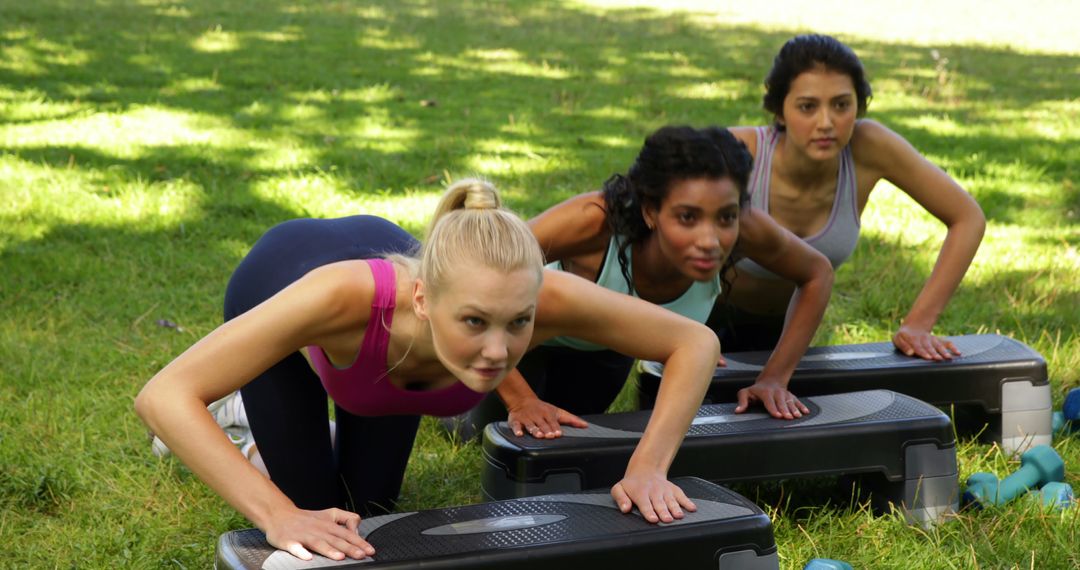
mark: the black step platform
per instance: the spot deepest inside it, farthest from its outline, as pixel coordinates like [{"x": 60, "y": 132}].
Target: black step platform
[
  {"x": 998, "y": 386},
  {"x": 902, "y": 449},
  {"x": 568, "y": 530}
]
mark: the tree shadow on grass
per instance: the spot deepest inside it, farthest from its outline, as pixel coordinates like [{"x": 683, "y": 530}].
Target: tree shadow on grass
[
  {"x": 877, "y": 286},
  {"x": 548, "y": 99},
  {"x": 397, "y": 92}
]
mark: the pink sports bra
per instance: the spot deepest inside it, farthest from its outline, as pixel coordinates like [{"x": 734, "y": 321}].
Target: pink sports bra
[{"x": 363, "y": 388}]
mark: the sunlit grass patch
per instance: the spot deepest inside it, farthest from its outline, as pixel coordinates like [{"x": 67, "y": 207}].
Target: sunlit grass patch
[{"x": 144, "y": 146}]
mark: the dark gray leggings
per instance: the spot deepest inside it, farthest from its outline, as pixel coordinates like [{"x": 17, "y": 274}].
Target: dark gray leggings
[{"x": 287, "y": 405}]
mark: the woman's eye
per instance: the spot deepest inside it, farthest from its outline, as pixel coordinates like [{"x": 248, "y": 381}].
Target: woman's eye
[
  {"x": 475, "y": 322},
  {"x": 686, "y": 217},
  {"x": 520, "y": 323}
]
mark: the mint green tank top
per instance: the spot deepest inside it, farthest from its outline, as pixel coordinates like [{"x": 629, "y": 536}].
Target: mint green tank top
[{"x": 696, "y": 303}]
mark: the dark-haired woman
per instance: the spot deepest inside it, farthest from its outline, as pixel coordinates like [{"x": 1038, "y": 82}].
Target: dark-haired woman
[
  {"x": 814, "y": 169},
  {"x": 663, "y": 232}
]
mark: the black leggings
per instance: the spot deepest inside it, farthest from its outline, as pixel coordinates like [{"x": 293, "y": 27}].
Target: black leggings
[
  {"x": 578, "y": 381},
  {"x": 740, "y": 331},
  {"x": 287, "y": 405}
]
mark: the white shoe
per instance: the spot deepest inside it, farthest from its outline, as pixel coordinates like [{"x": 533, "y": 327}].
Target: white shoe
[
  {"x": 158, "y": 447},
  {"x": 229, "y": 411}
]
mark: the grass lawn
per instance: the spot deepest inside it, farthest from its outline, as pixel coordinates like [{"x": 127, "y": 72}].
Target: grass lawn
[{"x": 145, "y": 144}]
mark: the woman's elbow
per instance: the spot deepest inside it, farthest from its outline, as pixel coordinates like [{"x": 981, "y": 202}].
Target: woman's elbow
[
  {"x": 820, "y": 276},
  {"x": 710, "y": 343},
  {"x": 979, "y": 222},
  {"x": 972, "y": 221},
  {"x": 147, "y": 403}
]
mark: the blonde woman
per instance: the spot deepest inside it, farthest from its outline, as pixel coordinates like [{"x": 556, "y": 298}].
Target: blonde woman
[{"x": 336, "y": 308}]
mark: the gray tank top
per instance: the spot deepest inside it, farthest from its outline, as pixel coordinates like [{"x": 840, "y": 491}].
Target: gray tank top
[{"x": 838, "y": 238}]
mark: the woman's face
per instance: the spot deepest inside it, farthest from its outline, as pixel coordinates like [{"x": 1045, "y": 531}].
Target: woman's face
[
  {"x": 696, "y": 225},
  {"x": 481, "y": 321},
  {"x": 819, "y": 112}
]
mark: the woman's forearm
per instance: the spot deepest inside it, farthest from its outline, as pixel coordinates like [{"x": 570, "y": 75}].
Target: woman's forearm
[
  {"x": 687, "y": 373},
  {"x": 805, "y": 311},
  {"x": 958, "y": 250},
  {"x": 183, "y": 423}
]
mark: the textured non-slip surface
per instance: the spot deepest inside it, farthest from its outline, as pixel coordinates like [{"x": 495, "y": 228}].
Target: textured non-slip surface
[
  {"x": 716, "y": 419},
  {"x": 974, "y": 349},
  {"x": 513, "y": 524}
]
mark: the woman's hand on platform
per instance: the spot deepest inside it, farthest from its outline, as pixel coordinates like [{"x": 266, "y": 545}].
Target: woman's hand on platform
[
  {"x": 658, "y": 499},
  {"x": 778, "y": 401},
  {"x": 914, "y": 341},
  {"x": 330, "y": 533},
  {"x": 541, "y": 419}
]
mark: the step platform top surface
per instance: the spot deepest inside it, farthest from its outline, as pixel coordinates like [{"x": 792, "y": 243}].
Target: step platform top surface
[
  {"x": 510, "y": 524},
  {"x": 862, "y": 407},
  {"x": 974, "y": 349}
]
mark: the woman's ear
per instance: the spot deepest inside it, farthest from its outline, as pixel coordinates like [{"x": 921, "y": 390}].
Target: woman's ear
[
  {"x": 419, "y": 300},
  {"x": 648, "y": 213}
]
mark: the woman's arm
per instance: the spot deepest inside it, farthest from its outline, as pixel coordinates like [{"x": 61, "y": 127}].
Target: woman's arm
[
  {"x": 527, "y": 413},
  {"x": 573, "y": 227},
  {"x": 173, "y": 403},
  {"x": 775, "y": 248},
  {"x": 889, "y": 155},
  {"x": 571, "y": 306}
]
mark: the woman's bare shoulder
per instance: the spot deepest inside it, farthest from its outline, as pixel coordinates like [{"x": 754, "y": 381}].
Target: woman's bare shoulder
[{"x": 748, "y": 136}]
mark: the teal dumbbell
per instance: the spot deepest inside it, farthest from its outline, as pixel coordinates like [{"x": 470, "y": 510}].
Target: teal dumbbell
[
  {"x": 827, "y": 564},
  {"x": 1038, "y": 466},
  {"x": 1058, "y": 423},
  {"x": 1057, "y": 495},
  {"x": 982, "y": 478},
  {"x": 981, "y": 489}
]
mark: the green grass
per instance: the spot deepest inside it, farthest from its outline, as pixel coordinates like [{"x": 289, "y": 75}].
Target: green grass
[{"x": 145, "y": 145}]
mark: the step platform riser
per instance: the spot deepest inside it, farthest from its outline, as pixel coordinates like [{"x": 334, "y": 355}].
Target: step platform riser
[
  {"x": 998, "y": 387},
  {"x": 903, "y": 448},
  {"x": 574, "y": 530}
]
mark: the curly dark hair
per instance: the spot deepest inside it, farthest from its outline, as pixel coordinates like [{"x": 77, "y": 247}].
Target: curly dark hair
[
  {"x": 806, "y": 52},
  {"x": 669, "y": 155}
]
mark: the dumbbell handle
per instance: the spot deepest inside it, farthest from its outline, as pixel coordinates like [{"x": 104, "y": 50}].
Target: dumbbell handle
[{"x": 1025, "y": 478}]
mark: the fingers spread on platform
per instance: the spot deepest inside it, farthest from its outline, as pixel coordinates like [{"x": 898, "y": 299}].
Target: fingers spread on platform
[
  {"x": 330, "y": 533},
  {"x": 743, "y": 403},
  {"x": 568, "y": 419},
  {"x": 923, "y": 344},
  {"x": 683, "y": 500},
  {"x": 656, "y": 498},
  {"x": 775, "y": 397},
  {"x": 621, "y": 498},
  {"x": 541, "y": 419},
  {"x": 298, "y": 551}
]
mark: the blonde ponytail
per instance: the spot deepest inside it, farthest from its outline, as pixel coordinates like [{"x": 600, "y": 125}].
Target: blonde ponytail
[
  {"x": 470, "y": 193},
  {"x": 471, "y": 226}
]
